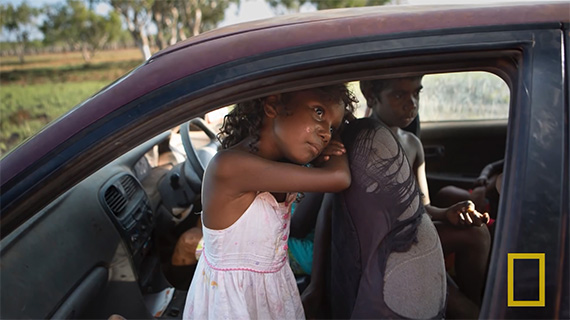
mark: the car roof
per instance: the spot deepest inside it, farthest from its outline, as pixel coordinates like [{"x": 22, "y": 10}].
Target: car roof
[
  {"x": 386, "y": 19},
  {"x": 253, "y": 38}
]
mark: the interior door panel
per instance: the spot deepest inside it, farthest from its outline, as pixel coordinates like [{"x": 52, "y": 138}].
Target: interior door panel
[
  {"x": 457, "y": 151},
  {"x": 83, "y": 294},
  {"x": 60, "y": 263}
]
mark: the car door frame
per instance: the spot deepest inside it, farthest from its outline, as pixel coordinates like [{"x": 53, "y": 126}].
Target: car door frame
[{"x": 531, "y": 209}]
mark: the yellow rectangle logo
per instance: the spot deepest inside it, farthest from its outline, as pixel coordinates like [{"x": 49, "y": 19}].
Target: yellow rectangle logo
[{"x": 541, "y": 280}]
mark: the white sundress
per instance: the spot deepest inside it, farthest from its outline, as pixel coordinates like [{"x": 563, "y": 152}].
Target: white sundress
[{"x": 243, "y": 272}]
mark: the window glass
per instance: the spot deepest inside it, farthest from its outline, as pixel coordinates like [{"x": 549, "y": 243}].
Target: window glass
[{"x": 464, "y": 96}]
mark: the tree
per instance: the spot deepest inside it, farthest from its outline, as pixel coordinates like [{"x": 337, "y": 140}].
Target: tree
[
  {"x": 137, "y": 15},
  {"x": 175, "y": 18},
  {"x": 203, "y": 15},
  {"x": 19, "y": 21},
  {"x": 165, "y": 15},
  {"x": 80, "y": 27},
  {"x": 294, "y": 5}
]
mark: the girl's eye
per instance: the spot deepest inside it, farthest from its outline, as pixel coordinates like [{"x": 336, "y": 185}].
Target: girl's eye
[
  {"x": 320, "y": 112},
  {"x": 331, "y": 130}
]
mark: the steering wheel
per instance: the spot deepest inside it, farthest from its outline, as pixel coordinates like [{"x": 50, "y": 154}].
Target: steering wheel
[
  {"x": 183, "y": 184},
  {"x": 198, "y": 159}
]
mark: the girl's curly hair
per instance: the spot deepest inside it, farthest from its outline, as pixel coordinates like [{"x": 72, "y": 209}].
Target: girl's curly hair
[{"x": 246, "y": 118}]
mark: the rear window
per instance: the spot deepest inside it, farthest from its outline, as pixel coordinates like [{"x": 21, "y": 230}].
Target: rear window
[{"x": 464, "y": 96}]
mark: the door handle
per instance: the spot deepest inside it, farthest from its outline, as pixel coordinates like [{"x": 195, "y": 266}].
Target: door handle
[{"x": 434, "y": 151}]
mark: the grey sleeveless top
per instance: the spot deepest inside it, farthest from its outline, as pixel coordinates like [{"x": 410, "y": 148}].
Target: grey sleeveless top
[{"x": 377, "y": 215}]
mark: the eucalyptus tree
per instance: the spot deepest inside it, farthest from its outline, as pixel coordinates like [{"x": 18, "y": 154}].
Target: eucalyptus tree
[
  {"x": 137, "y": 15},
  {"x": 81, "y": 28},
  {"x": 177, "y": 19},
  {"x": 20, "y": 22}
]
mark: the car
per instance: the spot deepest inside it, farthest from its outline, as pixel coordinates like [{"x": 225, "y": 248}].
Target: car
[{"x": 90, "y": 205}]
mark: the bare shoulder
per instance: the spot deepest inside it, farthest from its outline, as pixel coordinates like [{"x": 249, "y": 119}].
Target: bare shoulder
[
  {"x": 223, "y": 200},
  {"x": 415, "y": 141},
  {"x": 413, "y": 147},
  {"x": 225, "y": 162},
  {"x": 409, "y": 140}
]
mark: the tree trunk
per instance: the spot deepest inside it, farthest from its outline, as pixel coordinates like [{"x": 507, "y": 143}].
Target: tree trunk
[
  {"x": 158, "y": 20},
  {"x": 187, "y": 12},
  {"x": 182, "y": 34},
  {"x": 174, "y": 26},
  {"x": 197, "y": 21},
  {"x": 145, "y": 48},
  {"x": 136, "y": 28},
  {"x": 86, "y": 54},
  {"x": 21, "y": 55},
  {"x": 21, "y": 48}
]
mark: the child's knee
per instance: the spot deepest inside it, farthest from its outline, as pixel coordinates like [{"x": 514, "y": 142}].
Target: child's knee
[{"x": 478, "y": 237}]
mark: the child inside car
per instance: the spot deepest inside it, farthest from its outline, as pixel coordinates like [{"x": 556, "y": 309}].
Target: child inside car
[
  {"x": 247, "y": 194},
  {"x": 461, "y": 228},
  {"x": 386, "y": 258}
]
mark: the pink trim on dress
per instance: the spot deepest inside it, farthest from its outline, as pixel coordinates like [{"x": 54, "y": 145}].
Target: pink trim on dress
[{"x": 242, "y": 269}]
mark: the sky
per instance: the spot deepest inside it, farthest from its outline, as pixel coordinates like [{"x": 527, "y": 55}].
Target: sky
[{"x": 258, "y": 9}]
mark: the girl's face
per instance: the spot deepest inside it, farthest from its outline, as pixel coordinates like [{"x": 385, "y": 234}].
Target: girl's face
[{"x": 304, "y": 125}]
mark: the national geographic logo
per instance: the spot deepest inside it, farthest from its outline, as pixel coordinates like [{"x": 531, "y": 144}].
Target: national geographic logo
[{"x": 540, "y": 257}]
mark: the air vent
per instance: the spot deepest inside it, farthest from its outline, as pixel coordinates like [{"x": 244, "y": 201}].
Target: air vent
[
  {"x": 115, "y": 200},
  {"x": 130, "y": 186}
]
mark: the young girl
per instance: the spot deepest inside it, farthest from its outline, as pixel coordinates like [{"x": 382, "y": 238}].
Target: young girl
[{"x": 247, "y": 194}]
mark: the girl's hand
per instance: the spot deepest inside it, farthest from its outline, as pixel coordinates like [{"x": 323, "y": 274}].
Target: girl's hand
[
  {"x": 334, "y": 148},
  {"x": 464, "y": 214}
]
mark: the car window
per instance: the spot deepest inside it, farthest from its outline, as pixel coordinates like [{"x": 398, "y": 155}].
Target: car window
[
  {"x": 464, "y": 96},
  {"x": 214, "y": 120}
]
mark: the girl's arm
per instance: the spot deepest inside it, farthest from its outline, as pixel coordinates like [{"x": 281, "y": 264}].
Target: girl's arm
[
  {"x": 462, "y": 213},
  {"x": 244, "y": 172}
]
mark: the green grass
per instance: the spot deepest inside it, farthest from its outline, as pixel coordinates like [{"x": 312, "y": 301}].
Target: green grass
[
  {"x": 104, "y": 71},
  {"x": 25, "y": 109},
  {"x": 48, "y": 85}
]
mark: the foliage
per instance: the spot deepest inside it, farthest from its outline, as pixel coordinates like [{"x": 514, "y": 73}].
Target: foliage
[
  {"x": 176, "y": 18},
  {"x": 331, "y": 4},
  {"x": 19, "y": 21},
  {"x": 294, "y": 5},
  {"x": 14, "y": 46},
  {"x": 137, "y": 15},
  {"x": 80, "y": 27}
]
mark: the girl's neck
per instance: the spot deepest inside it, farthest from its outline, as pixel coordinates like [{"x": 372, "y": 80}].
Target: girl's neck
[{"x": 262, "y": 148}]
